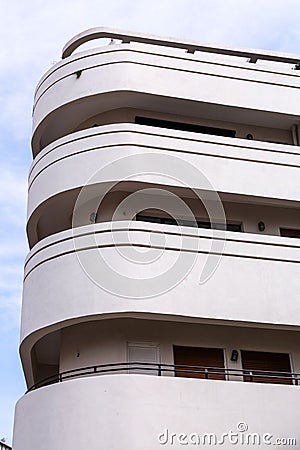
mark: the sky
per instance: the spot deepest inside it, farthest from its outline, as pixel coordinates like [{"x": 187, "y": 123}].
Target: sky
[{"x": 32, "y": 34}]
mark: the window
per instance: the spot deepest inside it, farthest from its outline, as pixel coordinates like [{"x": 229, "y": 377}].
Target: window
[
  {"x": 221, "y": 226},
  {"x": 290, "y": 232},
  {"x": 265, "y": 367},
  {"x": 143, "y": 353},
  {"x": 201, "y": 358},
  {"x": 184, "y": 126},
  {"x": 189, "y": 223}
]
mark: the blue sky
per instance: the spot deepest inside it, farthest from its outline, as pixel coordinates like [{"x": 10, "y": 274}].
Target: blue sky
[{"x": 32, "y": 34}]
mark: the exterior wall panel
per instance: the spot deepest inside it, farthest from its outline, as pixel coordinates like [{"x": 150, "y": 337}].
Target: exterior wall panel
[{"x": 105, "y": 412}]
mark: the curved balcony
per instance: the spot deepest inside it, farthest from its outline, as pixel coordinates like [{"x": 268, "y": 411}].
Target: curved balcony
[
  {"x": 107, "y": 410},
  {"x": 122, "y": 269},
  {"x": 132, "y": 153},
  {"x": 161, "y": 79},
  {"x": 252, "y": 376}
]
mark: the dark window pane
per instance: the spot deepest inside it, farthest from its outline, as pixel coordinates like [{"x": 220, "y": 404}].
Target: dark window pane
[
  {"x": 184, "y": 126},
  {"x": 189, "y": 223},
  {"x": 290, "y": 232}
]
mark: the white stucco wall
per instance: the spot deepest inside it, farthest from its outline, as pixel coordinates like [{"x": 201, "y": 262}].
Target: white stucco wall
[
  {"x": 131, "y": 411},
  {"x": 105, "y": 341},
  {"x": 256, "y": 279},
  {"x": 261, "y": 132},
  {"x": 119, "y": 152}
]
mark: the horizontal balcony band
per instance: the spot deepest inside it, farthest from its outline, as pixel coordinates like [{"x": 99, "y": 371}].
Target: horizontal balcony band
[
  {"x": 260, "y": 96},
  {"x": 145, "y": 154},
  {"x": 90, "y": 60},
  {"x": 101, "y": 261},
  {"x": 164, "y": 139},
  {"x": 192, "y": 371},
  {"x": 89, "y": 405},
  {"x": 177, "y": 238}
]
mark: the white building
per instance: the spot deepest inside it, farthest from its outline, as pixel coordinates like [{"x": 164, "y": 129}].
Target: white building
[{"x": 164, "y": 226}]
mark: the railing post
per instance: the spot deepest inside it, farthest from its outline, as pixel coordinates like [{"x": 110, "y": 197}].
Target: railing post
[
  {"x": 251, "y": 376},
  {"x": 4, "y": 446},
  {"x": 159, "y": 370},
  {"x": 206, "y": 374}
]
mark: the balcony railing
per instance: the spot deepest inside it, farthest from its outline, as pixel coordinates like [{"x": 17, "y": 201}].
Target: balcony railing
[
  {"x": 178, "y": 370},
  {"x": 189, "y": 46},
  {"x": 4, "y": 446}
]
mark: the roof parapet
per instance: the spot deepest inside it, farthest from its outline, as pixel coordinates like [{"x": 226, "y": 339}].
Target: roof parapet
[{"x": 190, "y": 46}]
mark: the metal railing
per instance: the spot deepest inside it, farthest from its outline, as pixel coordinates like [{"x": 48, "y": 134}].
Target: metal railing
[
  {"x": 180, "y": 370},
  {"x": 4, "y": 446},
  {"x": 189, "y": 46}
]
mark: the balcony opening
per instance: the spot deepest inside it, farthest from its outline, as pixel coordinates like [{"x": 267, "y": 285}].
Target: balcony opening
[
  {"x": 182, "y": 126},
  {"x": 266, "y": 367},
  {"x": 199, "y": 362},
  {"x": 290, "y": 232},
  {"x": 45, "y": 359},
  {"x": 189, "y": 223}
]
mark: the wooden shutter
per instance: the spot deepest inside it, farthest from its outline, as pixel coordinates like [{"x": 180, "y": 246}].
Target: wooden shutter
[
  {"x": 210, "y": 358},
  {"x": 256, "y": 362}
]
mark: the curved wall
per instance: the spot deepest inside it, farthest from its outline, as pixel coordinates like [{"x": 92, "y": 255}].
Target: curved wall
[
  {"x": 106, "y": 412},
  {"x": 89, "y": 272},
  {"x": 135, "y": 153}
]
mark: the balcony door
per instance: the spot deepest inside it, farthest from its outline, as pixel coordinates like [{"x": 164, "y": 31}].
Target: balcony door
[
  {"x": 143, "y": 358},
  {"x": 267, "y": 367},
  {"x": 199, "y": 362}
]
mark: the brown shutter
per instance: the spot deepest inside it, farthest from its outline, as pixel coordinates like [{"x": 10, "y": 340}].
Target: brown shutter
[
  {"x": 256, "y": 362},
  {"x": 210, "y": 358}
]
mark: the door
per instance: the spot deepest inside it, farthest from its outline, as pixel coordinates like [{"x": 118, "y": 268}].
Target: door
[
  {"x": 200, "y": 362},
  {"x": 143, "y": 358},
  {"x": 265, "y": 367}
]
